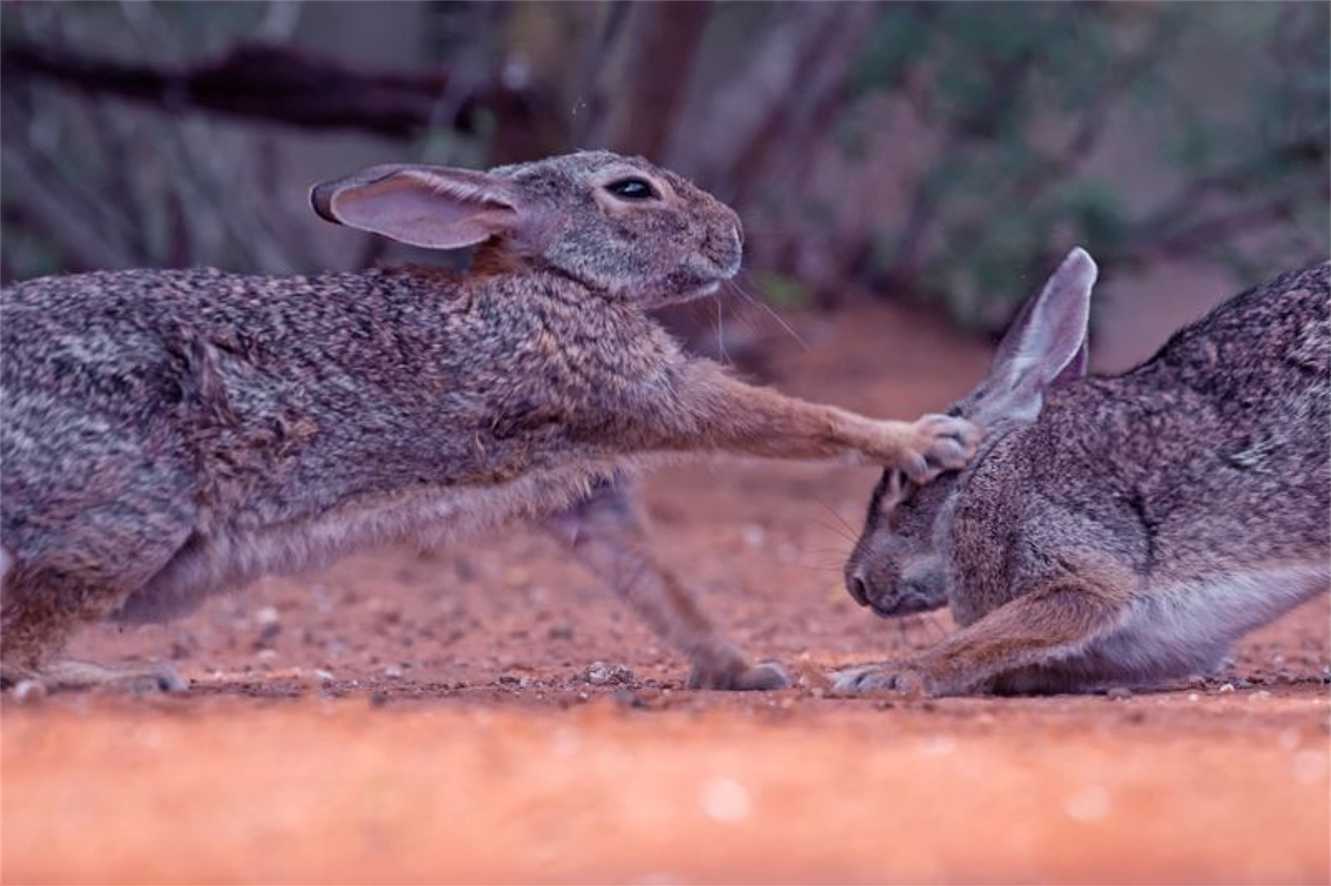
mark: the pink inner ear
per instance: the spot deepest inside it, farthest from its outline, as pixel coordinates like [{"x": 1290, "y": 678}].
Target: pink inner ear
[{"x": 410, "y": 210}]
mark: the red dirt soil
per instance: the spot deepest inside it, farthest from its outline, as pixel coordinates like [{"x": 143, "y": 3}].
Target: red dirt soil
[{"x": 408, "y": 717}]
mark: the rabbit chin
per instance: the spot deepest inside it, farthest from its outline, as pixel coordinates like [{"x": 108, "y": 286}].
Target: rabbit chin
[
  {"x": 908, "y": 605},
  {"x": 667, "y": 296}
]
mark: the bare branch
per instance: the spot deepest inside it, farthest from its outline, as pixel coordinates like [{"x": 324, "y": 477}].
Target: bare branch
[
  {"x": 662, "y": 39},
  {"x": 744, "y": 114},
  {"x": 1235, "y": 177},
  {"x": 273, "y": 83},
  {"x": 1095, "y": 115},
  {"x": 592, "y": 122},
  {"x": 925, "y": 202},
  {"x": 1218, "y": 228},
  {"x": 49, "y": 205}
]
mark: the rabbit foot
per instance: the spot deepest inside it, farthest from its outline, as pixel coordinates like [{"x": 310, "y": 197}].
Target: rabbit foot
[
  {"x": 739, "y": 677},
  {"x": 938, "y": 443},
  {"x": 75, "y": 674},
  {"x": 879, "y": 678}
]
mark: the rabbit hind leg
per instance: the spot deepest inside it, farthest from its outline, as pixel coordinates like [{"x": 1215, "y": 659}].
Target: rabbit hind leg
[
  {"x": 43, "y": 604},
  {"x": 607, "y": 535},
  {"x": 36, "y": 621}
]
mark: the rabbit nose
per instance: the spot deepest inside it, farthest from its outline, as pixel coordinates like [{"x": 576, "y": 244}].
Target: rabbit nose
[
  {"x": 858, "y": 587},
  {"x": 724, "y": 248}
]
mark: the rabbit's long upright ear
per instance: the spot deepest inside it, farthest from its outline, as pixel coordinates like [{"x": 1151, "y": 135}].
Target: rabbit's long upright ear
[
  {"x": 432, "y": 206},
  {"x": 1045, "y": 346}
]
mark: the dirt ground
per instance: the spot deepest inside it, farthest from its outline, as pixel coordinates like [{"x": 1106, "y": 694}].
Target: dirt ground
[{"x": 408, "y": 717}]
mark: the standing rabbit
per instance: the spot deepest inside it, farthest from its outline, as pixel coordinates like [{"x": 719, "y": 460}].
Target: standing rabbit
[
  {"x": 1116, "y": 530},
  {"x": 167, "y": 434}
]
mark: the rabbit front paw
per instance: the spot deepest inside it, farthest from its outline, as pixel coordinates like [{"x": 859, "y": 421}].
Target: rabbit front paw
[
  {"x": 740, "y": 678},
  {"x": 938, "y": 443},
  {"x": 879, "y": 678}
]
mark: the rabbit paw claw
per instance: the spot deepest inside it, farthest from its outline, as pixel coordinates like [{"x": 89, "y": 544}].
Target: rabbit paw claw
[
  {"x": 761, "y": 677},
  {"x": 942, "y": 443},
  {"x": 877, "y": 678}
]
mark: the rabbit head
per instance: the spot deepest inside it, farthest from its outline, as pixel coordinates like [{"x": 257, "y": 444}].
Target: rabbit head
[
  {"x": 618, "y": 226},
  {"x": 897, "y": 567}
]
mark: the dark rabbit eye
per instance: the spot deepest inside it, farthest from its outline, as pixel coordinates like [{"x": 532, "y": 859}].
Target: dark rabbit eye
[{"x": 632, "y": 189}]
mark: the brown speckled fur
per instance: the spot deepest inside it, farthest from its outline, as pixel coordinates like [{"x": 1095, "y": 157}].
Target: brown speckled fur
[
  {"x": 1137, "y": 527},
  {"x": 167, "y": 434}
]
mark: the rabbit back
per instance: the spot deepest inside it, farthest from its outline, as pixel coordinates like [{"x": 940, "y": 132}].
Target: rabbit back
[{"x": 1226, "y": 435}]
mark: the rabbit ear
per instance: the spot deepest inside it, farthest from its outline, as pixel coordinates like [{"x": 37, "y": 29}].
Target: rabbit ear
[
  {"x": 1045, "y": 346},
  {"x": 432, "y": 206},
  {"x": 1076, "y": 367}
]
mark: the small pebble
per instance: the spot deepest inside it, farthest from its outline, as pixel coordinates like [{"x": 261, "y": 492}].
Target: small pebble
[
  {"x": 268, "y": 615},
  {"x": 566, "y": 742},
  {"x": 939, "y": 746},
  {"x": 393, "y": 672},
  {"x": 1091, "y": 803},
  {"x": 1226, "y": 687},
  {"x": 628, "y": 698},
  {"x": 725, "y": 799},
  {"x": 1310, "y": 766},
  {"x": 323, "y": 676},
  {"x": 29, "y": 691},
  {"x": 600, "y": 673},
  {"x": 1119, "y": 692}
]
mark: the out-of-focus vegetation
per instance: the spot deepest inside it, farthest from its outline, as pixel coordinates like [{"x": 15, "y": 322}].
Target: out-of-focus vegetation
[{"x": 940, "y": 151}]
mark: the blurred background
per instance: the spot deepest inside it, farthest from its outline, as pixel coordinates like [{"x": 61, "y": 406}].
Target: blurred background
[
  {"x": 907, "y": 174},
  {"x": 944, "y": 154}
]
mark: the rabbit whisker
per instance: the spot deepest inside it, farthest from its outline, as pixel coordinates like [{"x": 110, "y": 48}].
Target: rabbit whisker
[
  {"x": 772, "y": 313},
  {"x": 721, "y": 333}
]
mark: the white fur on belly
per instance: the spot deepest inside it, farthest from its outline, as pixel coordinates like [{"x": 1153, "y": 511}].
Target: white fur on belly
[
  {"x": 1186, "y": 626},
  {"x": 432, "y": 516}
]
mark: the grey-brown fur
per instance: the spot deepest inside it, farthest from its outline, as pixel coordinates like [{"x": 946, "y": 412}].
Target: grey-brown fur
[
  {"x": 167, "y": 434},
  {"x": 1118, "y": 530}
]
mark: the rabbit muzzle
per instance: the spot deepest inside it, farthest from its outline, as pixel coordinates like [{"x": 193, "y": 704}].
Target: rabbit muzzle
[{"x": 917, "y": 585}]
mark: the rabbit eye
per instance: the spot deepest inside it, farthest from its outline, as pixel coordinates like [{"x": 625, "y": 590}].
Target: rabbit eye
[{"x": 632, "y": 189}]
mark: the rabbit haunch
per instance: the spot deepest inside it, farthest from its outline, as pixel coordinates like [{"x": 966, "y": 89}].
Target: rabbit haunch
[{"x": 1117, "y": 530}]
